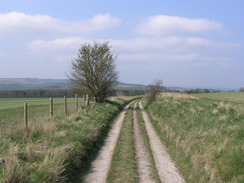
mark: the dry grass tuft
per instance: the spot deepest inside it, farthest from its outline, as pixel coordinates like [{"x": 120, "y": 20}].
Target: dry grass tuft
[
  {"x": 224, "y": 106},
  {"x": 49, "y": 127},
  {"x": 53, "y": 165},
  {"x": 192, "y": 110},
  {"x": 215, "y": 111},
  {"x": 61, "y": 134},
  {"x": 223, "y": 118},
  {"x": 177, "y": 95},
  {"x": 12, "y": 169}
]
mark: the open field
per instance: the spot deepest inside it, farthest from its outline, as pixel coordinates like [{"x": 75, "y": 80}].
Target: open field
[
  {"x": 237, "y": 97},
  {"x": 204, "y": 137},
  {"x": 53, "y": 149},
  {"x": 19, "y": 102}
]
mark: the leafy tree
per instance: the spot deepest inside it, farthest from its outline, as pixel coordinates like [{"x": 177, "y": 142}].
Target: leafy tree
[{"x": 93, "y": 71}]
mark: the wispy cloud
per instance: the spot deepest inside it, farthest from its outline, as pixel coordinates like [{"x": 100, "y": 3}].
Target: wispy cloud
[
  {"x": 4, "y": 55},
  {"x": 61, "y": 44},
  {"x": 140, "y": 44},
  {"x": 164, "y": 49},
  {"x": 17, "y": 23},
  {"x": 168, "y": 25}
]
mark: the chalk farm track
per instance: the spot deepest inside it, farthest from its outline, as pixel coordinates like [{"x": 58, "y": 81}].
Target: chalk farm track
[{"x": 166, "y": 170}]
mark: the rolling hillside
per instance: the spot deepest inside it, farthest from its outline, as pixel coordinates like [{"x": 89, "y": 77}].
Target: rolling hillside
[{"x": 36, "y": 83}]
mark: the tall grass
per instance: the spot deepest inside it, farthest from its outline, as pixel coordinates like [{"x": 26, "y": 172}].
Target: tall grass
[
  {"x": 204, "y": 136},
  {"x": 53, "y": 149},
  {"x": 237, "y": 97}
]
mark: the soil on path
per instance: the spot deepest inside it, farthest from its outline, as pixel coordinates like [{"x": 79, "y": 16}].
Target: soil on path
[
  {"x": 166, "y": 168},
  {"x": 143, "y": 164},
  {"x": 100, "y": 167}
]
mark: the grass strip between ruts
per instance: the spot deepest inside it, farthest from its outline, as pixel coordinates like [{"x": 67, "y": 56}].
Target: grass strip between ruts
[{"x": 123, "y": 166}]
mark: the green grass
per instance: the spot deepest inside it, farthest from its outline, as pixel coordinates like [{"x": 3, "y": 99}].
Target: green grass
[
  {"x": 123, "y": 166},
  {"x": 237, "y": 97},
  {"x": 6, "y": 103},
  {"x": 129, "y": 88},
  {"x": 204, "y": 136},
  {"x": 54, "y": 149}
]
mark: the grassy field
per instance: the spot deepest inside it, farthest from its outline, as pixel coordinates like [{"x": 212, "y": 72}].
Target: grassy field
[
  {"x": 237, "y": 97},
  {"x": 19, "y": 102},
  {"x": 132, "y": 88},
  {"x": 53, "y": 149},
  {"x": 203, "y": 134}
]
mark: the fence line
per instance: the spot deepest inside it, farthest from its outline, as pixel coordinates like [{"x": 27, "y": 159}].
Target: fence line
[
  {"x": 25, "y": 115},
  {"x": 85, "y": 104},
  {"x": 51, "y": 106},
  {"x": 65, "y": 106}
]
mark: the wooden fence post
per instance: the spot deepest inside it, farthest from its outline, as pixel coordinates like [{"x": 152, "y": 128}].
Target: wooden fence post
[
  {"x": 77, "y": 104},
  {"x": 87, "y": 99},
  {"x": 51, "y": 106},
  {"x": 84, "y": 101},
  {"x": 65, "y": 105},
  {"x": 25, "y": 115}
]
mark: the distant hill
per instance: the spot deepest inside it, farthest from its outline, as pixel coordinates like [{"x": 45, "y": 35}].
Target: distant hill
[
  {"x": 36, "y": 83},
  {"x": 32, "y": 83}
]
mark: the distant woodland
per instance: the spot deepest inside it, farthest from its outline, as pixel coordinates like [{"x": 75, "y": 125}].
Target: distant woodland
[{"x": 46, "y": 93}]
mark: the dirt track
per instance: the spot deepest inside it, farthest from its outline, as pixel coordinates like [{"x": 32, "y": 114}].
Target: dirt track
[
  {"x": 165, "y": 167},
  {"x": 143, "y": 164},
  {"x": 99, "y": 168}
]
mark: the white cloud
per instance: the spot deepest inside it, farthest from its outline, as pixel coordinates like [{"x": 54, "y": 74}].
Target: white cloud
[
  {"x": 163, "y": 44},
  {"x": 157, "y": 57},
  {"x": 4, "y": 55},
  {"x": 165, "y": 25},
  {"x": 221, "y": 59},
  {"x": 17, "y": 23},
  {"x": 164, "y": 49},
  {"x": 70, "y": 43}
]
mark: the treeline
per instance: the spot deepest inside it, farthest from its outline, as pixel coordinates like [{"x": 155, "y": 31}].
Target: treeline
[
  {"x": 46, "y": 93},
  {"x": 201, "y": 91},
  {"x": 36, "y": 93}
]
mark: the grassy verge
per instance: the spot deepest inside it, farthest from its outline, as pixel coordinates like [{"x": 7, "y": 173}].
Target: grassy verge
[
  {"x": 204, "y": 136},
  {"x": 54, "y": 149},
  {"x": 145, "y": 138},
  {"x": 123, "y": 166}
]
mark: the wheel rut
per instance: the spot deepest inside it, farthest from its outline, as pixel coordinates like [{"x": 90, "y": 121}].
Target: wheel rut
[
  {"x": 100, "y": 166},
  {"x": 142, "y": 156},
  {"x": 165, "y": 166}
]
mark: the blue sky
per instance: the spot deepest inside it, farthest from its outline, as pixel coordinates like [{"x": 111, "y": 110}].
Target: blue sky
[{"x": 185, "y": 43}]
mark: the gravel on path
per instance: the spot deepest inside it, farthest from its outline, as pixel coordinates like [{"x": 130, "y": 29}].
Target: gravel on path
[
  {"x": 165, "y": 166},
  {"x": 100, "y": 166},
  {"x": 143, "y": 164}
]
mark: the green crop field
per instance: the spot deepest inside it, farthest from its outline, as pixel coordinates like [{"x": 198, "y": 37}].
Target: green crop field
[
  {"x": 6, "y": 103},
  {"x": 129, "y": 88},
  {"x": 237, "y": 97}
]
